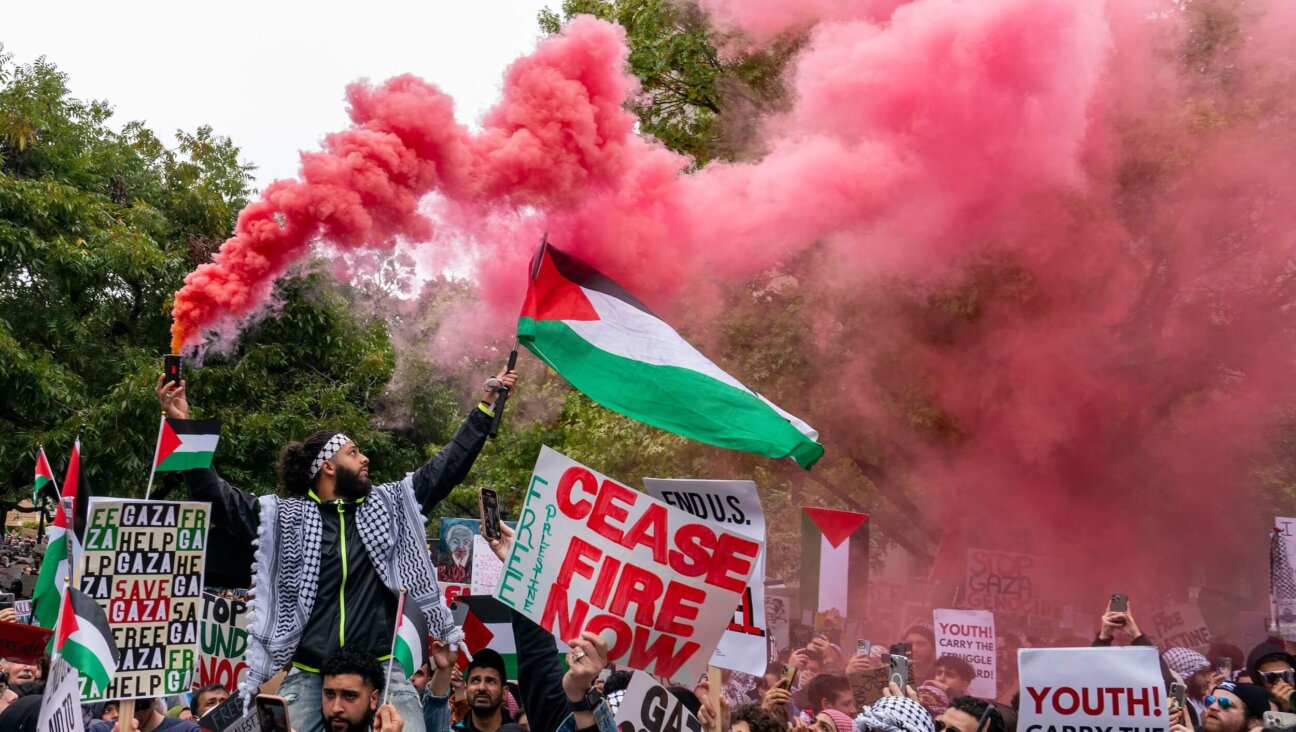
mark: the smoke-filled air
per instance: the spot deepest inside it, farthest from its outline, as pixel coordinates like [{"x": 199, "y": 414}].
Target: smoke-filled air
[{"x": 1063, "y": 229}]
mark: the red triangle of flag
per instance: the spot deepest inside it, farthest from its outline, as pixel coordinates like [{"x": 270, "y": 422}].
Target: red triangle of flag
[
  {"x": 476, "y": 636},
  {"x": 552, "y": 296},
  {"x": 168, "y": 441},
  {"x": 836, "y": 526},
  {"x": 67, "y": 622}
]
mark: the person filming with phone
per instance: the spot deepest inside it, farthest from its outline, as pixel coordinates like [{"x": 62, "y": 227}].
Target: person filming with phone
[{"x": 333, "y": 553}]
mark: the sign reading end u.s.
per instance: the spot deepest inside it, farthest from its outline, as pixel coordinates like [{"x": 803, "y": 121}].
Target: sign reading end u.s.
[
  {"x": 1091, "y": 690},
  {"x": 659, "y": 584}
]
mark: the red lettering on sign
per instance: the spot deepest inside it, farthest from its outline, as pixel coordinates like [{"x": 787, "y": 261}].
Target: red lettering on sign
[
  {"x": 612, "y": 505},
  {"x": 695, "y": 542},
  {"x": 572, "y": 477},
  {"x": 641, "y": 587},
  {"x": 579, "y": 560},
  {"x": 733, "y": 562},
  {"x": 650, "y": 531},
  {"x": 675, "y": 607}
]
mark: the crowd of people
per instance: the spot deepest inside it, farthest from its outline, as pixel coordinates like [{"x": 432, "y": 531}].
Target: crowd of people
[{"x": 334, "y": 552}]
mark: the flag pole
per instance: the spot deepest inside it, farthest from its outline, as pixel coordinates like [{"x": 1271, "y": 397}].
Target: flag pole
[
  {"x": 156, "y": 450},
  {"x": 73, "y": 559},
  {"x": 400, "y": 618},
  {"x": 503, "y": 391}
]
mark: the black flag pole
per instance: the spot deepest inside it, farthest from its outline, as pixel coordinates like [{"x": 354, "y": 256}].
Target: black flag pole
[{"x": 503, "y": 391}]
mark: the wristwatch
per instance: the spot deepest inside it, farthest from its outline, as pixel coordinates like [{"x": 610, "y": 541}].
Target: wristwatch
[{"x": 589, "y": 702}]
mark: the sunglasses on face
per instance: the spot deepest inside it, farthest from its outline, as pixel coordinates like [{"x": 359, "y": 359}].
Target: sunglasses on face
[
  {"x": 1272, "y": 677},
  {"x": 1223, "y": 702}
]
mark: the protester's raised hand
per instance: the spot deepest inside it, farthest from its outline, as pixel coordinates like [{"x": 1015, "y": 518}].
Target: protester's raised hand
[
  {"x": 504, "y": 544},
  {"x": 707, "y": 714},
  {"x": 506, "y": 379},
  {"x": 1179, "y": 719},
  {"x": 893, "y": 689},
  {"x": 174, "y": 400},
  {"x": 9, "y": 615},
  {"x": 588, "y": 657},
  {"x": 444, "y": 655},
  {"x": 776, "y": 700},
  {"x": 388, "y": 720},
  {"x": 1282, "y": 691},
  {"x": 859, "y": 662},
  {"x": 799, "y": 658}
]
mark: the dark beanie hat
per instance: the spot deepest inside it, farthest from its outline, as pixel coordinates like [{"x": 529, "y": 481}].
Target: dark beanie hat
[
  {"x": 1267, "y": 651},
  {"x": 487, "y": 658},
  {"x": 1254, "y": 698}
]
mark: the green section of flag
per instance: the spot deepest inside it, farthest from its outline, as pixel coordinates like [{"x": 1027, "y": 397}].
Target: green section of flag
[
  {"x": 48, "y": 593},
  {"x": 185, "y": 461}
]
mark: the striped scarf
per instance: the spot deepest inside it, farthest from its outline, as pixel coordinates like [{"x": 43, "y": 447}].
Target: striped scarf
[{"x": 286, "y": 571}]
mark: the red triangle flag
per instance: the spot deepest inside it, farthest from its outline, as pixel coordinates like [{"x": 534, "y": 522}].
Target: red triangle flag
[{"x": 836, "y": 526}]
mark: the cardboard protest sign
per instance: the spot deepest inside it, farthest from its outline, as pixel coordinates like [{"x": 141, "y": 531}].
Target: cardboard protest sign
[
  {"x": 592, "y": 554},
  {"x": 647, "y": 707},
  {"x": 1181, "y": 626},
  {"x": 23, "y": 643},
  {"x": 1091, "y": 690},
  {"x": 734, "y": 503},
  {"x": 224, "y": 641},
  {"x": 60, "y": 709},
  {"x": 867, "y": 686},
  {"x": 1012, "y": 583},
  {"x": 143, "y": 564},
  {"x": 970, "y": 635},
  {"x": 486, "y": 567}
]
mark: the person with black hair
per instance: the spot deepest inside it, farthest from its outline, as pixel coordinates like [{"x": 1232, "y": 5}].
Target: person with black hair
[
  {"x": 333, "y": 552},
  {"x": 954, "y": 675},
  {"x": 754, "y": 718},
  {"x": 351, "y": 687},
  {"x": 208, "y": 697},
  {"x": 827, "y": 691},
  {"x": 964, "y": 715}
]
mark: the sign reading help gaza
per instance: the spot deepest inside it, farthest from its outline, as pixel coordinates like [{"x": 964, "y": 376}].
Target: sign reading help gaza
[
  {"x": 734, "y": 503},
  {"x": 143, "y": 564},
  {"x": 647, "y": 707},
  {"x": 224, "y": 642},
  {"x": 970, "y": 635},
  {"x": 591, "y": 554},
  {"x": 1091, "y": 690}
]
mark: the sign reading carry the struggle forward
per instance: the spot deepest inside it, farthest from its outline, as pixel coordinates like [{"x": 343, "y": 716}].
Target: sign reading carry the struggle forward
[
  {"x": 970, "y": 635},
  {"x": 736, "y": 504},
  {"x": 647, "y": 707},
  {"x": 224, "y": 642},
  {"x": 1101, "y": 689},
  {"x": 143, "y": 564},
  {"x": 591, "y": 554}
]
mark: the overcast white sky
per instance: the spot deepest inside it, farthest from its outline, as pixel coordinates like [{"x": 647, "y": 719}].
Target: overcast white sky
[{"x": 268, "y": 74}]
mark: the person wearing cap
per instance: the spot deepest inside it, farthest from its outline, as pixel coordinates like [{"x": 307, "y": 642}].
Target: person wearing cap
[
  {"x": 1272, "y": 667},
  {"x": 1195, "y": 671},
  {"x": 922, "y": 640},
  {"x": 1233, "y": 707},
  {"x": 333, "y": 553}
]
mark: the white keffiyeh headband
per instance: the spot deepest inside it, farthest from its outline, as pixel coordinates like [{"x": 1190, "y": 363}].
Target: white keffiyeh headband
[{"x": 327, "y": 452}]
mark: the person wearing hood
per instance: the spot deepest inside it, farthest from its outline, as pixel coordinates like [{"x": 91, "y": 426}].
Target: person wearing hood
[
  {"x": 1233, "y": 707},
  {"x": 1273, "y": 668},
  {"x": 922, "y": 639}
]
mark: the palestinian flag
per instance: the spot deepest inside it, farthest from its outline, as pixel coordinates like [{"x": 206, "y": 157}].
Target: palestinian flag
[
  {"x": 834, "y": 561},
  {"x": 44, "y": 477},
  {"x": 410, "y": 646},
  {"x": 60, "y": 549},
  {"x": 186, "y": 444},
  {"x": 616, "y": 352},
  {"x": 489, "y": 625},
  {"x": 84, "y": 639}
]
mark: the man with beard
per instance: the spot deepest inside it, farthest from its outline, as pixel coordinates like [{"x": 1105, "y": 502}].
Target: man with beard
[
  {"x": 333, "y": 552},
  {"x": 351, "y": 689},
  {"x": 1231, "y": 707},
  {"x": 485, "y": 680},
  {"x": 457, "y": 566}
]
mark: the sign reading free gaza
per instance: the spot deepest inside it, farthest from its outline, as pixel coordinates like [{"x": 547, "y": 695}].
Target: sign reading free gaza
[{"x": 659, "y": 584}]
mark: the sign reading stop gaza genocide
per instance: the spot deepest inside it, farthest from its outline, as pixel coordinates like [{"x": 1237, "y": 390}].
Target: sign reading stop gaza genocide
[
  {"x": 657, "y": 583},
  {"x": 143, "y": 564}
]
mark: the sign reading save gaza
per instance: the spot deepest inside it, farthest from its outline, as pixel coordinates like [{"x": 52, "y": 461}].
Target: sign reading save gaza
[{"x": 659, "y": 584}]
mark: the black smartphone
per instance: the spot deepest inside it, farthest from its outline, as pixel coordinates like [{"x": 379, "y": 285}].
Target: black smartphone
[
  {"x": 272, "y": 712},
  {"x": 1119, "y": 603},
  {"x": 899, "y": 671},
  {"x": 901, "y": 649},
  {"x": 1224, "y": 664},
  {"x": 490, "y": 513},
  {"x": 171, "y": 364}
]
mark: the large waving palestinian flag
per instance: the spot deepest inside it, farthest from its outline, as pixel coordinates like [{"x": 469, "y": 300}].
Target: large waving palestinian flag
[
  {"x": 186, "y": 444},
  {"x": 615, "y": 351},
  {"x": 85, "y": 640}
]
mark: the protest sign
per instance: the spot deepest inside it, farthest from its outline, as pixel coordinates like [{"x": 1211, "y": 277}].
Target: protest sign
[
  {"x": 23, "y": 643},
  {"x": 23, "y": 609},
  {"x": 143, "y": 564},
  {"x": 656, "y": 582},
  {"x": 734, "y": 503},
  {"x": 224, "y": 641},
  {"x": 459, "y": 550},
  {"x": 1181, "y": 626},
  {"x": 60, "y": 709},
  {"x": 867, "y": 685},
  {"x": 453, "y": 590},
  {"x": 1092, "y": 690},
  {"x": 226, "y": 715},
  {"x": 647, "y": 707},
  {"x": 1282, "y": 576},
  {"x": 486, "y": 567},
  {"x": 778, "y": 618},
  {"x": 1012, "y": 583},
  {"x": 970, "y": 635}
]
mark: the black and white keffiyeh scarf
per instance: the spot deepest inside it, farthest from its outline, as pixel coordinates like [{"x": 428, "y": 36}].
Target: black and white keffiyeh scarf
[{"x": 286, "y": 571}]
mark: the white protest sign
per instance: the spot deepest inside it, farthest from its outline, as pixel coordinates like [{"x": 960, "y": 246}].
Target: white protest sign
[
  {"x": 486, "y": 567},
  {"x": 60, "y": 709},
  {"x": 1181, "y": 626},
  {"x": 1282, "y": 575},
  {"x": 592, "y": 554},
  {"x": 734, "y": 503},
  {"x": 970, "y": 635},
  {"x": 647, "y": 707},
  {"x": 1091, "y": 690},
  {"x": 224, "y": 642},
  {"x": 23, "y": 609}
]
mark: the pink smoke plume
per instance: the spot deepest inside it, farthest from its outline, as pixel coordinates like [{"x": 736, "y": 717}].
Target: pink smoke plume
[{"x": 1112, "y": 192}]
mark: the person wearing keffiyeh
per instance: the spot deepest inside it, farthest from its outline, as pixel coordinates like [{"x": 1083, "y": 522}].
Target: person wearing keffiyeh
[
  {"x": 333, "y": 553},
  {"x": 894, "y": 714}
]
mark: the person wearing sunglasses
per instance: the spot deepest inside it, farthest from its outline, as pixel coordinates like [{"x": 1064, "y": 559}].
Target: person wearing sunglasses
[
  {"x": 1232, "y": 707},
  {"x": 1272, "y": 667}
]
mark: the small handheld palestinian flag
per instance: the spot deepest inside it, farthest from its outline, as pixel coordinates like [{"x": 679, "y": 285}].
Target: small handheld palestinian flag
[
  {"x": 611, "y": 348},
  {"x": 186, "y": 444},
  {"x": 409, "y": 647},
  {"x": 85, "y": 641},
  {"x": 44, "y": 477}
]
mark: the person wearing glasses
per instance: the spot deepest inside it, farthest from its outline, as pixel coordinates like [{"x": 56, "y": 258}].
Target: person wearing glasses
[
  {"x": 1272, "y": 667},
  {"x": 1231, "y": 707}
]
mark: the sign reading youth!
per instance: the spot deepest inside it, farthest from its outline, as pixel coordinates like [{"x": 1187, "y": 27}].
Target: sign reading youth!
[
  {"x": 592, "y": 554},
  {"x": 1093, "y": 689},
  {"x": 970, "y": 635},
  {"x": 143, "y": 564}
]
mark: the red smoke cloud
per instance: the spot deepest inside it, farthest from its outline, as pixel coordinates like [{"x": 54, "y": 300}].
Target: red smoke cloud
[{"x": 1107, "y": 184}]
